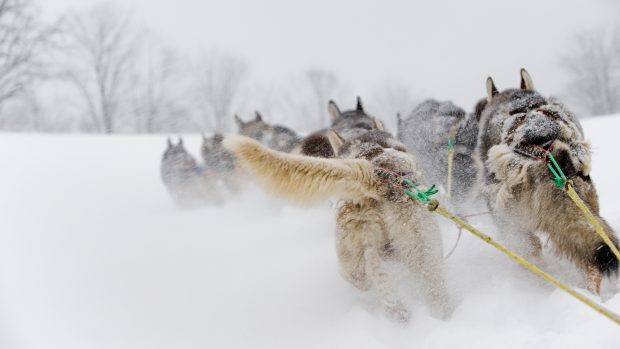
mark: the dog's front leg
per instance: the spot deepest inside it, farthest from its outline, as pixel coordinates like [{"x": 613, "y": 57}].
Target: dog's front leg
[
  {"x": 380, "y": 280},
  {"x": 594, "y": 277}
]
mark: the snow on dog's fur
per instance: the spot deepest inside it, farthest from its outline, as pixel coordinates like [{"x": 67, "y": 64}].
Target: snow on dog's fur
[
  {"x": 517, "y": 185},
  {"x": 426, "y": 130},
  {"x": 185, "y": 179},
  {"x": 219, "y": 163},
  {"x": 274, "y": 136},
  {"x": 375, "y": 220},
  {"x": 348, "y": 124}
]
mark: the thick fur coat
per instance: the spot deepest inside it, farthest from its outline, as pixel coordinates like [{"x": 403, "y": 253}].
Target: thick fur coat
[
  {"x": 375, "y": 220},
  {"x": 516, "y": 126},
  {"x": 347, "y": 125},
  {"x": 426, "y": 130},
  {"x": 220, "y": 164},
  {"x": 273, "y": 136},
  {"x": 185, "y": 180}
]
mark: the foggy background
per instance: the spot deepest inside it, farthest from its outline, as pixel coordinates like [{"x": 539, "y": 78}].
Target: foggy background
[{"x": 187, "y": 66}]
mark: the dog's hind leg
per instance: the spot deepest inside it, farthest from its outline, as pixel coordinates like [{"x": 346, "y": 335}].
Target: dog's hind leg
[
  {"x": 380, "y": 280},
  {"x": 429, "y": 269},
  {"x": 350, "y": 251},
  {"x": 421, "y": 251}
]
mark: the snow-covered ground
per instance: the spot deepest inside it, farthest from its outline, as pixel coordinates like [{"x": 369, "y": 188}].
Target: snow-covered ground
[{"x": 94, "y": 255}]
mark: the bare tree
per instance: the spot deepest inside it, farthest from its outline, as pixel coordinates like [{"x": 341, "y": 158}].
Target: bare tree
[
  {"x": 218, "y": 84},
  {"x": 593, "y": 63},
  {"x": 323, "y": 85},
  {"x": 100, "y": 47},
  {"x": 22, "y": 40},
  {"x": 156, "y": 102},
  {"x": 393, "y": 97},
  {"x": 304, "y": 100}
]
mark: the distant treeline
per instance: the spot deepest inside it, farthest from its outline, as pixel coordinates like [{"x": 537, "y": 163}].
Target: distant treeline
[{"x": 100, "y": 71}]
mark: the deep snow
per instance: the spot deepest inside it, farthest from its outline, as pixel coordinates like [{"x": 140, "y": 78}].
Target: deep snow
[{"x": 94, "y": 255}]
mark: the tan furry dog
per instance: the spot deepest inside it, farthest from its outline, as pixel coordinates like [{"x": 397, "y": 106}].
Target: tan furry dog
[
  {"x": 517, "y": 126},
  {"x": 375, "y": 220}
]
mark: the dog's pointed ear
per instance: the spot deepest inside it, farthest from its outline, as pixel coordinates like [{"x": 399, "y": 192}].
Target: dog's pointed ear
[
  {"x": 169, "y": 142},
  {"x": 526, "y": 81},
  {"x": 334, "y": 111},
  {"x": 335, "y": 140},
  {"x": 378, "y": 124},
  {"x": 238, "y": 121},
  {"x": 258, "y": 116},
  {"x": 491, "y": 89},
  {"x": 180, "y": 142},
  {"x": 359, "y": 106}
]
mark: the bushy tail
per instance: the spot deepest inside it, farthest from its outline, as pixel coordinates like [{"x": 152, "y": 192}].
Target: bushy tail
[{"x": 300, "y": 178}]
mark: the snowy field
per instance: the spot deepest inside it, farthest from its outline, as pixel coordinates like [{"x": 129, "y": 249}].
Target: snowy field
[{"x": 94, "y": 255}]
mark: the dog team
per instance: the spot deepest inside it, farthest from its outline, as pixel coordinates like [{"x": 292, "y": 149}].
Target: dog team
[{"x": 499, "y": 151}]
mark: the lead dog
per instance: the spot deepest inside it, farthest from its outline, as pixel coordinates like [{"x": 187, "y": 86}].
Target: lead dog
[
  {"x": 375, "y": 220},
  {"x": 517, "y": 127}
]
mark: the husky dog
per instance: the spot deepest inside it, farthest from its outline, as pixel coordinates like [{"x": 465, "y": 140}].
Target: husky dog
[
  {"x": 375, "y": 220},
  {"x": 219, "y": 163},
  {"x": 517, "y": 129},
  {"x": 347, "y": 124},
  {"x": 274, "y": 136},
  {"x": 215, "y": 156},
  {"x": 351, "y": 123},
  {"x": 426, "y": 131},
  {"x": 185, "y": 179}
]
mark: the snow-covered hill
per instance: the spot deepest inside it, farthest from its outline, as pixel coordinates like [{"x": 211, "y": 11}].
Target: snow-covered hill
[{"x": 94, "y": 255}]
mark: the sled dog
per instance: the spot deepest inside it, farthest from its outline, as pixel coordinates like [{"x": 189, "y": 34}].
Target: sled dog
[
  {"x": 517, "y": 129},
  {"x": 376, "y": 222}
]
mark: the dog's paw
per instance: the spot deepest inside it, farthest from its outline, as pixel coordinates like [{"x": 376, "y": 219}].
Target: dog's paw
[{"x": 397, "y": 312}]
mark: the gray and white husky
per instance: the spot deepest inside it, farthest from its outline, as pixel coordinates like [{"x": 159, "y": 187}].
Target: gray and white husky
[
  {"x": 426, "y": 132},
  {"x": 220, "y": 164},
  {"x": 274, "y": 136},
  {"x": 517, "y": 129},
  {"x": 348, "y": 124},
  {"x": 185, "y": 179}
]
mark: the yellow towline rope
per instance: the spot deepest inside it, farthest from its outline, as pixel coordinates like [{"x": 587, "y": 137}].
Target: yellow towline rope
[
  {"x": 449, "y": 179},
  {"x": 434, "y": 206},
  {"x": 570, "y": 191},
  {"x": 560, "y": 181},
  {"x": 451, "y": 145}
]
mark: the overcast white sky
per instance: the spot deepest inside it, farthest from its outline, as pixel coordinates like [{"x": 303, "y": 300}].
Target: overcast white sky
[{"x": 444, "y": 49}]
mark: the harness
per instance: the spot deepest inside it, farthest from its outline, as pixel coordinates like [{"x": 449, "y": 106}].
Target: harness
[{"x": 401, "y": 180}]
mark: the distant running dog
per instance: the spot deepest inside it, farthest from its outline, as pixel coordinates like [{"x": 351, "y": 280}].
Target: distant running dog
[
  {"x": 517, "y": 127},
  {"x": 184, "y": 178},
  {"x": 274, "y": 136},
  {"x": 426, "y": 131},
  {"x": 375, "y": 220}
]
